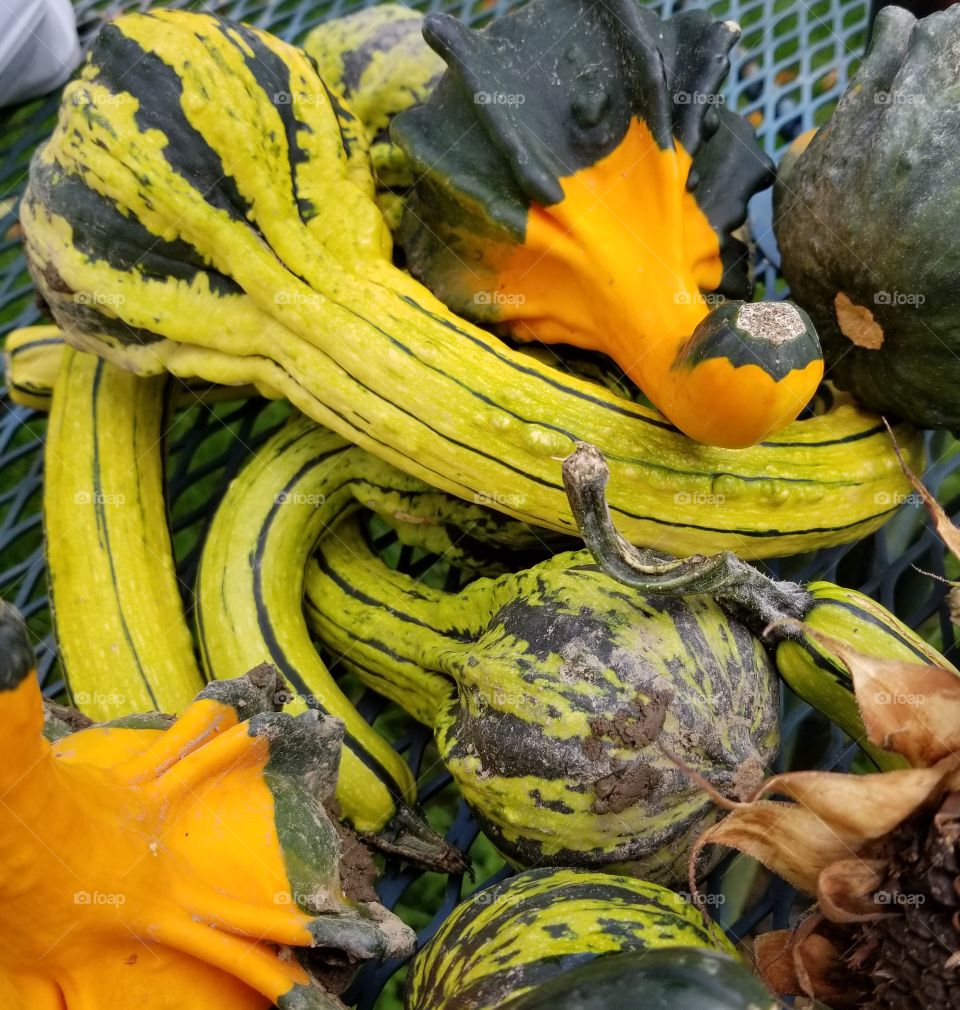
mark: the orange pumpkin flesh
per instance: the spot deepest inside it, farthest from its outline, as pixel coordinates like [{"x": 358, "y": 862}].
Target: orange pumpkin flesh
[{"x": 153, "y": 868}]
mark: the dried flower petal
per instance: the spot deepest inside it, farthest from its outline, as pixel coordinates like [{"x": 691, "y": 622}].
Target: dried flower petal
[{"x": 909, "y": 708}]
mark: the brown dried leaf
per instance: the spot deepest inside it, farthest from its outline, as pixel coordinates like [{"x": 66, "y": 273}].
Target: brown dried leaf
[
  {"x": 803, "y": 961},
  {"x": 942, "y": 523},
  {"x": 909, "y": 708},
  {"x": 847, "y": 890},
  {"x": 833, "y": 817},
  {"x": 860, "y": 807},
  {"x": 788, "y": 839}
]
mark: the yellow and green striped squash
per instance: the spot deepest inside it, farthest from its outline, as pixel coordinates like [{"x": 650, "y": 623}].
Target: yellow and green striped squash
[
  {"x": 379, "y": 62},
  {"x": 511, "y": 938},
  {"x": 212, "y": 202},
  {"x": 558, "y": 701}
]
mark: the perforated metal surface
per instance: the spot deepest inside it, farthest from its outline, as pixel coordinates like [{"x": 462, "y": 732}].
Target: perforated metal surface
[{"x": 794, "y": 62}]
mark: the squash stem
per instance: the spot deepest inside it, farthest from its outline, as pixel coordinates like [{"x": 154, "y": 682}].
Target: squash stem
[{"x": 738, "y": 587}]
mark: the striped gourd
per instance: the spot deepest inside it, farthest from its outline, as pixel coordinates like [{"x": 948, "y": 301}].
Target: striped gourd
[
  {"x": 31, "y": 363},
  {"x": 673, "y": 978},
  {"x": 275, "y": 269},
  {"x": 557, "y": 701},
  {"x": 250, "y": 600},
  {"x": 821, "y": 677},
  {"x": 121, "y": 632},
  {"x": 794, "y": 619},
  {"x": 513, "y": 937},
  {"x": 378, "y": 61}
]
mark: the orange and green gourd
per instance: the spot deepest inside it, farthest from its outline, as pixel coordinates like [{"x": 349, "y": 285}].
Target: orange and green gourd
[
  {"x": 165, "y": 864},
  {"x": 580, "y": 182}
]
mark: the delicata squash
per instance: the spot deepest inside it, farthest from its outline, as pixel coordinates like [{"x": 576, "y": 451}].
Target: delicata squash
[
  {"x": 173, "y": 865},
  {"x": 197, "y": 257}
]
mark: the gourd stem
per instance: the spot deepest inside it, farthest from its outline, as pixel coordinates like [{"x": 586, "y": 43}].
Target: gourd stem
[{"x": 738, "y": 587}]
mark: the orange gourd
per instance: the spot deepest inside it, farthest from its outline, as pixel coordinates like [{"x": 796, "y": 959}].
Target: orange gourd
[
  {"x": 185, "y": 864},
  {"x": 580, "y": 180}
]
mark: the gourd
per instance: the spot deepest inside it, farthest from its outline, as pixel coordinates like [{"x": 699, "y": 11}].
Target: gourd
[
  {"x": 672, "y": 979},
  {"x": 122, "y": 636},
  {"x": 807, "y": 627},
  {"x": 579, "y": 180},
  {"x": 31, "y": 363},
  {"x": 558, "y": 703},
  {"x": 864, "y": 218},
  {"x": 377, "y": 60},
  {"x": 32, "y": 356},
  {"x": 212, "y": 264},
  {"x": 192, "y": 866},
  {"x": 506, "y": 942},
  {"x": 249, "y": 604}
]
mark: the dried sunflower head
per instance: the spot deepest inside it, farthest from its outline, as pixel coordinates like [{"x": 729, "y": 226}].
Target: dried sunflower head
[{"x": 880, "y": 853}]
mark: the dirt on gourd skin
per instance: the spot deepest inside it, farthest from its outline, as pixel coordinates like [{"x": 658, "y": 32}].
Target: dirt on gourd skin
[
  {"x": 634, "y": 728},
  {"x": 358, "y": 872}
]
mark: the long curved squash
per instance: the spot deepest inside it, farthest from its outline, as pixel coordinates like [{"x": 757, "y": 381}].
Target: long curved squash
[
  {"x": 196, "y": 256},
  {"x": 250, "y": 606},
  {"x": 121, "y": 631}
]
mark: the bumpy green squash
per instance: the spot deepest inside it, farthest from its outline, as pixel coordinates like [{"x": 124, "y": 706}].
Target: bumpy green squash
[
  {"x": 514, "y": 937},
  {"x": 556, "y": 699},
  {"x": 866, "y": 218},
  {"x": 378, "y": 61},
  {"x": 195, "y": 257},
  {"x": 579, "y": 180},
  {"x": 683, "y": 979}
]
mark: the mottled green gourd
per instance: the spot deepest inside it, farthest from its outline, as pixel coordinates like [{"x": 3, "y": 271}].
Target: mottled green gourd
[
  {"x": 866, "y": 218},
  {"x": 535, "y": 928},
  {"x": 678, "y": 979},
  {"x": 378, "y": 61},
  {"x": 556, "y": 699},
  {"x": 809, "y": 628},
  {"x": 159, "y": 243}
]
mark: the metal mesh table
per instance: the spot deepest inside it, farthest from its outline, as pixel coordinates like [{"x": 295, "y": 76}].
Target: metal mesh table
[{"x": 794, "y": 60}]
